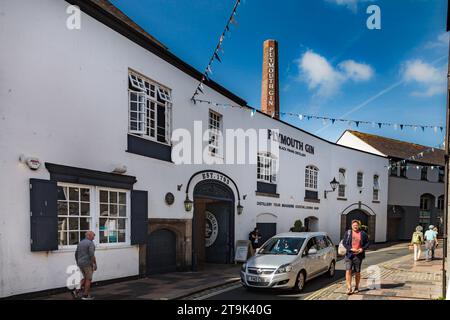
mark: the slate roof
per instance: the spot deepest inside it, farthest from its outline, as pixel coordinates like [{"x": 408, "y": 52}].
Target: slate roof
[{"x": 401, "y": 149}]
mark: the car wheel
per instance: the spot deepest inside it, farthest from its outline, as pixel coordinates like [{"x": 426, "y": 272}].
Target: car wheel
[
  {"x": 300, "y": 283},
  {"x": 332, "y": 270}
]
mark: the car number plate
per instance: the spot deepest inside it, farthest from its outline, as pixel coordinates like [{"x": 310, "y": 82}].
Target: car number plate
[{"x": 255, "y": 279}]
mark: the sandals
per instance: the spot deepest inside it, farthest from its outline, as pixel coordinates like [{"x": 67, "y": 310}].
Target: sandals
[
  {"x": 356, "y": 290},
  {"x": 349, "y": 292}
]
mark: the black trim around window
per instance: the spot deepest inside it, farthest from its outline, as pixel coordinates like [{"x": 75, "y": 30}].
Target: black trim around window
[
  {"x": 149, "y": 148},
  {"x": 264, "y": 187},
  {"x": 61, "y": 173},
  {"x": 312, "y": 196}
]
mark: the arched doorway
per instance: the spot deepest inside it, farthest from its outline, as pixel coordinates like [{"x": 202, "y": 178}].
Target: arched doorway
[
  {"x": 213, "y": 223},
  {"x": 366, "y": 219},
  {"x": 311, "y": 224},
  {"x": 161, "y": 252}
]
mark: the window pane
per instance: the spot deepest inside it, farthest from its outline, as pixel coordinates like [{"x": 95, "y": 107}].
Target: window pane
[
  {"x": 74, "y": 208},
  {"x": 112, "y": 225},
  {"x": 74, "y": 194},
  {"x": 104, "y": 196},
  {"x": 113, "y": 210},
  {"x": 113, "y": 197},
  {"x": 121, "y": 224},
  {"x": 85, "y": 208},
  {"x": 85, "y": 195},
  {"x": 62, "y": 193},
  {"x": 103, "y": 209},
  {"x": 122, "y": 198},
  {"x": 103, "y": 237},
  {"x": 113, "y": 235},
  {"x": 74, "y": 224},
  {"x": 104, "y": 226},
  {"x": 84, "y": 224},
  {"x": 121, "y": 236},
  {"x": 74, "y": 238},
  {"x": 123, "y": 211},
  {"x": 62, "y": 208}
]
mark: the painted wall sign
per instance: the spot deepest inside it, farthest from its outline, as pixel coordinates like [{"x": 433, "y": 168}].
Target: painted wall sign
[
  {"x": 287, "y": 142},
  {"x": 285, "y": 205},
  {"x": 215, "y": 176},
  {"x": 211, "y": 229}
]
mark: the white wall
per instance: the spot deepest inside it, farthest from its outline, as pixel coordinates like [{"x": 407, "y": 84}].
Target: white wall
[
  {"x": 350, "y": 140},
  {"x": 63, "y": 99}
]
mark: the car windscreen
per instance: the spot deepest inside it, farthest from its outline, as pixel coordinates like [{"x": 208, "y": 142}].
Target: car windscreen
[{"x": 289, "y": 246}]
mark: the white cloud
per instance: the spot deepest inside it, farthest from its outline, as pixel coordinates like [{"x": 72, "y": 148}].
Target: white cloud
[
  {"x": 426, "y": 75},
  {"x": 356, "y": 71},
  {"x": 441, "y": 41},
  {"x": 321, "y": 76},
  {"x": 350, "y": 4}
]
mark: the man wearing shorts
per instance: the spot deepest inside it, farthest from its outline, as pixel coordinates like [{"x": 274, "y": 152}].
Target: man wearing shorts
[
  {"x": 85, "y": 258},
  {"x": 356, "y": 242}
]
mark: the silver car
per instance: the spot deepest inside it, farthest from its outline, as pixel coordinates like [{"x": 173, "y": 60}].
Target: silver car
[{"x": 288, "y": 260}]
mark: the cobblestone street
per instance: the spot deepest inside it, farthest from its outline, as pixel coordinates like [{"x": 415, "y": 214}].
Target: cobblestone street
[{"x": 400, "y": 279}]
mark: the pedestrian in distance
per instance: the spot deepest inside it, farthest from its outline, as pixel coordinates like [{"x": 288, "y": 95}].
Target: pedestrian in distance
[
  {"x": 356, "y": 242},
  {"x": 435, "y": 229},
  {"x": 417, "y": 241},
  {"x": 430, "y": 242},
  {"x": 85, "y": 258},
  {"x": 255, "y": 238}
]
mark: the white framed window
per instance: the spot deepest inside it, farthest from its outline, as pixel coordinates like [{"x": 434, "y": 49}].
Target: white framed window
[
  {"x": 266, "y": 168},
  {"x": 150, "y": 109},
  {"x": 137, "y": 112},
  {"x": 103, "y": 210},
  {"x": 342, "y": 184},
  {"x": 359, "y": 179},
  {"x": 74, "y": 213},
  {"x": 311, "y": 177},
  {"x": 376, "y": 188},
  {"x": 215, "y": 127},
  {"x": 113, "y": 219}
]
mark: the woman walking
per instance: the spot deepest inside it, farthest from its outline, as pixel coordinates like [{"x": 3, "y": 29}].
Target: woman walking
[{"x": 417, "y": 241}]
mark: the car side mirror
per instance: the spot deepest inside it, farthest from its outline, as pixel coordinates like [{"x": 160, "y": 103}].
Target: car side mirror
[{"x": 312, "y": 251}]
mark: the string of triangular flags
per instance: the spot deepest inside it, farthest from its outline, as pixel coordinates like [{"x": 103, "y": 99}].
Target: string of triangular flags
[
  {"x": 327, "y": 120},
  {"x": 418, "y": 157},
  {"x": 215, "y": 55}
]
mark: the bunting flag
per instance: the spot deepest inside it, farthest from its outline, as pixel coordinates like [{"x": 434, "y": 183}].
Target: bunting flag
[
  {"x": 215, "y": 55},
  {"x": 417, "y": 157},
  {"x": 357, "y": 123}
]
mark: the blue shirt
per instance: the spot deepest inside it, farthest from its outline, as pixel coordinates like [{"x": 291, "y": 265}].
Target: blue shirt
[{"x": 430, "y": 235}]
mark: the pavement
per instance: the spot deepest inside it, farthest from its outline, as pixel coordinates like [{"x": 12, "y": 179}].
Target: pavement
[
  {"x": 169, "y": 286},
  {"x": 397, "y": 279}
]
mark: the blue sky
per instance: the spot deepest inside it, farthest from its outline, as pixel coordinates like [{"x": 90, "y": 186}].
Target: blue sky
[{"x": 330, "y": 63}]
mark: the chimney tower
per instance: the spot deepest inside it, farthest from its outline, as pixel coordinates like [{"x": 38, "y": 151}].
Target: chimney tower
[{"x": 270, "y": 98}]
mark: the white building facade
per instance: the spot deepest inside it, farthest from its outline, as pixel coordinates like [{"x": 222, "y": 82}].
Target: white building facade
[
  {"x": 416, "y": 186},
  {"x": 95, "y": 109}
]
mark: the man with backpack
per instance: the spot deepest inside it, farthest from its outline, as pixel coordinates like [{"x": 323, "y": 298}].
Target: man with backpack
[{"x": 356, "y": 243}]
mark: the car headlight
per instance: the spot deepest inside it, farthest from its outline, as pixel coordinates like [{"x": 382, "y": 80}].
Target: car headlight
[
  {"x": 244, "y": 266},
  {"x": 284, "y": 268}
]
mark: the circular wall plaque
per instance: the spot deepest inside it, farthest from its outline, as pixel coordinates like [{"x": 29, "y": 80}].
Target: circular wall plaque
[
  {"x": 170, "y": 198},
  {"x": 211, "y": 229}
]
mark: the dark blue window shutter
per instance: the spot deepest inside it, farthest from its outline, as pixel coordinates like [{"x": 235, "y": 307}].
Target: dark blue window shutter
[
  {"x": 139, "y": 216},
  {"x": 43, "y": 215}
]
